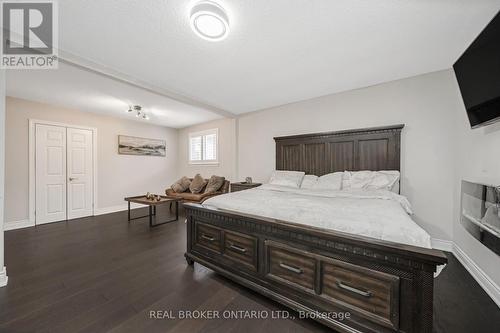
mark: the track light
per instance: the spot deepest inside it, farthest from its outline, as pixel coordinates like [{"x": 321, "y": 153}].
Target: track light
[{"x": 138, "y": 112}]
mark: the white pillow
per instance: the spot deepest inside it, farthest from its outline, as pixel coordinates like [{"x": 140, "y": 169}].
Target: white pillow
[
  {"x": 287, "y": 178},
  {"x": 331, "y": 181},
  {"x": 356, "y": 179},
  {"x": 395, "y": 188},
  {"x": 371, "y": 180},
  {"x": 346, "y": 180},
  {"x": 309, "y": 181},
  {"x": 386, "y": 179}
]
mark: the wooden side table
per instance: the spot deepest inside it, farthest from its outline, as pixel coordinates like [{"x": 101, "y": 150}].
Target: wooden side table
[
  {"x": 141, "y": 199},
  {"x": 235, "y": 187}
]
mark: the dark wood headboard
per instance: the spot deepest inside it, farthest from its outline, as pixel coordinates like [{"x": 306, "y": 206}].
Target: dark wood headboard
[{"x": 377, "y": 148}]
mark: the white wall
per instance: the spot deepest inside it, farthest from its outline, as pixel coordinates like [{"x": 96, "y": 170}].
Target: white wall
[
  {"x": 439, "y": 149},
  {"x": 3, "y": 271},
  {"x": 426, "y": 104},
  {"x": 477, "y": 160},
  {"x": 227, "y": 151},
  {"x": 118, "y": 176}
]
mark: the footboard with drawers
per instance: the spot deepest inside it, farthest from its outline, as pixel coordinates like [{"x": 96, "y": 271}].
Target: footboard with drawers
[{"x": 348, "y": 282}]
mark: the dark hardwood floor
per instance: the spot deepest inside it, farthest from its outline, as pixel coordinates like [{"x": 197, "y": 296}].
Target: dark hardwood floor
[{"x": 102, "y": 274}]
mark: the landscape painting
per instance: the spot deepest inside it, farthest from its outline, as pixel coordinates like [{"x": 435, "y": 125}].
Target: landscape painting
[{"x": 130, "y": 145}]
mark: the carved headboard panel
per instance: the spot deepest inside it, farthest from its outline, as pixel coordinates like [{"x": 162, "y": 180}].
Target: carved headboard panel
[{"x": 377, "y": 148}]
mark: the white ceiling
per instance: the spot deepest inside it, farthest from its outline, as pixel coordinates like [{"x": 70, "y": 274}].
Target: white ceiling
[
  {"x": 75, "y": 88},
  {"x": 277, "y": 52}
]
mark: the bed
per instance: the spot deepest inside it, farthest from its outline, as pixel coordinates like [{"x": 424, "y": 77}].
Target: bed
[{"x": 325, "y": 254}]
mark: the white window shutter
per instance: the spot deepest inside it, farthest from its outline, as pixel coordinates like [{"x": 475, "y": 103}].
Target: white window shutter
[
  {"x": 203, "y": 147},
  {"x": 195, "y": 148},
  {"x": 210, "y": 147}
]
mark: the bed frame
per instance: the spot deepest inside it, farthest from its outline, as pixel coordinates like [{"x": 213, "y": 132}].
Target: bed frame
[{"x": 347, "y": 282}]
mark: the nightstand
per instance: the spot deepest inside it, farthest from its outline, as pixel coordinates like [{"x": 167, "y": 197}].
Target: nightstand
[{"x": 235, "y": 187}]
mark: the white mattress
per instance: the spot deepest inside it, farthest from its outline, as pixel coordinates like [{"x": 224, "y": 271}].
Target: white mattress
[{"x": 378, "y": 214}]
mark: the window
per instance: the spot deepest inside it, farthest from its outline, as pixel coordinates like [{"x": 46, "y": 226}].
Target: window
[{"x": 203, "y": 147}]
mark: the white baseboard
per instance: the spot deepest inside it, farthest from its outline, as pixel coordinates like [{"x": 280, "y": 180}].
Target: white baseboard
[
  {"x": 491, "y": 288},
  {"x": 117, "y": 208},
  {"x": 442, "y": 244},
  {"x": 12, "y": 225},
  {"x": 3, "y": 277},
  {"x": 17, "y": 225}
]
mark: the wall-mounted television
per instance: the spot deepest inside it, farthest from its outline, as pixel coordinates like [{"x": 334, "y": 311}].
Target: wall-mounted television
[{"x": 478, "y": 75}]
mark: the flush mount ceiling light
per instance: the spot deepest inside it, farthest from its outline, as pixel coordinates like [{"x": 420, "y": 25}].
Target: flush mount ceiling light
[{"x": 209, "y": 21}]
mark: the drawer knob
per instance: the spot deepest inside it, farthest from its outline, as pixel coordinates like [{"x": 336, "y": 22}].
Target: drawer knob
[
  {"x": 363, "y": 293},
  {"x": 237, "y": 248},
  {"x": 291, "y": 268},
  {"x": 208, "y": 238}
]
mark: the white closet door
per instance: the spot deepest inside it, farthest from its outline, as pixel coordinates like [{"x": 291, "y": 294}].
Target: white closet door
[
  {"x": 80, "y": 173},
  {"x": 50, "y": 162}
]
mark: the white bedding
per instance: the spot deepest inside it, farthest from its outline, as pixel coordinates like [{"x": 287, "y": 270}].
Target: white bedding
[{"x": 379, "y": 214}]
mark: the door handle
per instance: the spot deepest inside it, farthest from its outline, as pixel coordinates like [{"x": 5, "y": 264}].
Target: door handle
[{"x": 71, "y": 179}]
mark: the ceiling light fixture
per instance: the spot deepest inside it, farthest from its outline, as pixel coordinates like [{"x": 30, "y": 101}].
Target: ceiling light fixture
[
  {"x": 138, "y": 109},
  {"x": 209, "y": 21},
  {"x": 139, "y": 113}
]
